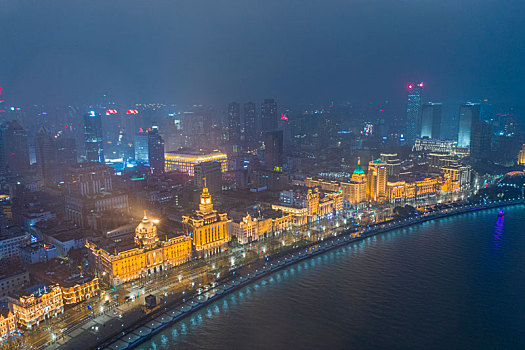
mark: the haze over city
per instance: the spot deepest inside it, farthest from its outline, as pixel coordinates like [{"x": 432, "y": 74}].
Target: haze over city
[{"x": 262, "y": 174}]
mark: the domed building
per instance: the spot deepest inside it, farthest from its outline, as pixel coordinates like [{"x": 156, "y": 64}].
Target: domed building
[
  {"x": 355, "y": 190},
  {"x": 121, "y": 260}
]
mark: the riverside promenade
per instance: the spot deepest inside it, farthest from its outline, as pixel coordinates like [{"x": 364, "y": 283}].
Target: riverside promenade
[{"x": 168, "y": 314}]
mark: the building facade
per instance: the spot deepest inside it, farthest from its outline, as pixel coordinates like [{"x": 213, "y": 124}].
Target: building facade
[
  {"x": 376, "y": 181},
  {"x": 135, "y": 257},
  {"x": 185, "y": 161},
  {"x": 36, "y": 305},
  {"x": 209, "y": 229}
]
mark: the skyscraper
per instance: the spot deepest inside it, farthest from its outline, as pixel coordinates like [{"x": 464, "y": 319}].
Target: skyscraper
[
  {"x": 269, "y": 115},
  {"x": 155, "y": 151},
  {"x": 413, "y": 112},
  {"x": 273, "y": 150},
  {"x": 250, "y": 121},
  {"x": 46, "y": 155},
  {"x": 480, "y": 140},
  {"x": 468, "y": 115},
  {"x": 141, "y": 147},
  {"x": 234, "y": 124},
  {"x": 93, "y": 137},
  {"x": 16, "y": 148},
  {"x": 431, "y": 120}
]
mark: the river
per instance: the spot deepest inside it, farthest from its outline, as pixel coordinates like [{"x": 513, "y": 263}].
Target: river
[{"x": 456, "y": 282}]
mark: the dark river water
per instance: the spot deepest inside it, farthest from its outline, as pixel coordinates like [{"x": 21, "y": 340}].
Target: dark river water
[{"x": 453, "y": 283}]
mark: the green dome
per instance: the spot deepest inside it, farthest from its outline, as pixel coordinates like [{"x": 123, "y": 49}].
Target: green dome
[{"x": 359, "y": 170}]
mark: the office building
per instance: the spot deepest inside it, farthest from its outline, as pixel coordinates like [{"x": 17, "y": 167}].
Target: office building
[
  {"x": 393, "y": 164},
  {"x": 431, "y": 120},
  {"x": 234, "y": 125},
  {"x": 208, "y": 174},
  {"x": 93, "y": 137},
  {"x": 185, "y": 161},
  {"x": 376, "y": 181},
  {"x": 273, "y": 150},
  {"x": 46, "y": 156},
  {"x": 250, "y": 121},
  {"x": 435, "y": 146},
  {"x": 468, "y": 116},
  {"x": 141, "y": 147},
  {"x": 269, "y": 116},
  {"x": 16, "y": 149},
  {"x": 480, "y": 140},
  {"x": 156, "y": 151},
  {"x": 413, "y": 112},
  {"x": 90, "y": 178}
]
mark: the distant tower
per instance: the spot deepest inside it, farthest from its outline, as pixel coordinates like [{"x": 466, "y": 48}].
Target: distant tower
[
  {"x": 140, "y": 143},
  {"x": 93, "y": 137},
  {"x": 234, "y": 125},
  {"x": 269, "y": 115},
  {"x": 16, "y": 148},
  {"x": 46, "y": 155},
  {"x": 273, "y": 150},
  {"x": 468, "y": 116},
  {"x": 431, "y": 120},
  {"x": 413, "y": 112},
  {"x": 250, "y": 121},
  {"x": 156, "y": 151},
  {"x": 377, "y": 180}
]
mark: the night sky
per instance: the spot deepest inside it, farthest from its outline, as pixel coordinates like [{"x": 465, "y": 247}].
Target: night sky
[{"x": 297, "y": 51}]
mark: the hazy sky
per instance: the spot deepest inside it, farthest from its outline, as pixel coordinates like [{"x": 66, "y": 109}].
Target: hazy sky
[{"x": 296, "y": 51}]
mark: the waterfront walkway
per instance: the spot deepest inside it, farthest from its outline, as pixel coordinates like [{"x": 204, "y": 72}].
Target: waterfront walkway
[{"x": 170, "y": 313}]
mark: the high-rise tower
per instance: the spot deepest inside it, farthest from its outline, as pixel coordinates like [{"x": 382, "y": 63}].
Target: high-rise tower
[
  {"x": 250, "y": 121},
  {"x": 269, "y": 115},
  {"x": 431, "y": 120},
  {"x": 468, "y": 116},
  {"x": 413, "y": 112},
  {"x": 93, "y": 137}
]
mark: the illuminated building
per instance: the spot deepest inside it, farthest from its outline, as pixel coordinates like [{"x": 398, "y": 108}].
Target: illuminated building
[
  {"x": 134, "y": 257},
  {"x": 79, "y": 290},
  {"x": 93, "y": 137},
  {"x": 185, "y": 161},
  {"x": 431, "y": 120},
  {"x": 413, "y": 112},
  {"x": 7, "y": 324},
  {"x": 208, "y": 228},
  {"x": 141, "y": 147},
  {"x": 468, "y": 115},
  {"x": 354, "y": 191},
  {"x": 250, "y": 229},
  {"x": 393, "y": 164},
  {"x": 269, "y": 115},
  {"x": 435, "y": 146},
  {"x": 436, "y": 161},
  {"x": 456, "y": 177},
  {"x": 521, "y": 155},
  {"x": 36, "y": 304},
  {"x": 314, "y": 207},
  {"x": 376, "y": 181},
  {"x": 402, "y": 191}
]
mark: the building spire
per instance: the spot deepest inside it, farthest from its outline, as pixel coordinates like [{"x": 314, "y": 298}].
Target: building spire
[
  {"x": 358, "y": 160},
  {"x": 145, "y": 215}
]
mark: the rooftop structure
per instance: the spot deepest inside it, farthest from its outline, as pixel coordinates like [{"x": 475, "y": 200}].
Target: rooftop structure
[{"x": 184, "y": 161}]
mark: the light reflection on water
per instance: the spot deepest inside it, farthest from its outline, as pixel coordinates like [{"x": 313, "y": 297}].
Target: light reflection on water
[{"x": 282, "y": 284}]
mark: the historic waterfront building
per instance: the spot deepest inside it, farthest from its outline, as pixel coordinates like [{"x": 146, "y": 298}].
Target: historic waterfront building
[
  {"x": 250, "y": 229},
  {"x": 79, "y": 290},
  {"x": 406, "y": 191},
  {"x": 36, "y": 304},
  {"x": 133, "y": 257},
  {"x": 316, "y": 205},
  {"x": 376, "y": 181},
  {"x": 208, "y": 228},
  {"x": 354, "y": 191}
]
